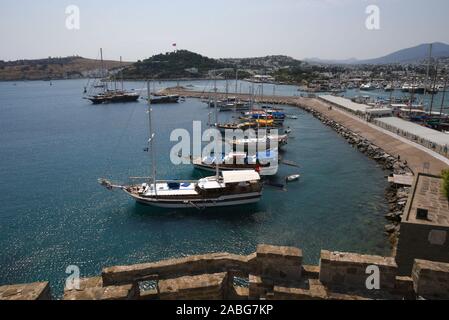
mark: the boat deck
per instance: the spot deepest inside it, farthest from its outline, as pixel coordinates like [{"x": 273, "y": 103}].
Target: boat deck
[{"x": 163, "y": 189}]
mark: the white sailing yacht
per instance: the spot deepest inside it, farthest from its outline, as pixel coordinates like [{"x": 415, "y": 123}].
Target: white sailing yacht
[{"x": 228, "y": 189}]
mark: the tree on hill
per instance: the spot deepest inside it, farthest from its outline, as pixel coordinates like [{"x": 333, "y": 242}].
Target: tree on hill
[{"x": 173, "y": 65}]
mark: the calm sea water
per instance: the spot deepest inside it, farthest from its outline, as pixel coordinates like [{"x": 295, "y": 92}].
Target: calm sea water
[{"x": 54, "y": 146}]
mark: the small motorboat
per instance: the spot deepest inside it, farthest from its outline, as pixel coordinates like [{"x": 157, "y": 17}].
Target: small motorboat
[{"x": 293, "y": 177}]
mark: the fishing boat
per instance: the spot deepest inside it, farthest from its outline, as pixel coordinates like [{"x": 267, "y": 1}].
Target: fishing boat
[
  {"x": 230, "y": 104},
  {"x": 107, "y": 95},
  {"x": 114, "y": 96},
  {"x": 234, "y": 106},
  {"x": 278, "y": 117},
  {"x": 266, "y": 163},
  {"x": 267, "y": 124},
  {"x": 269, "y": 141},
  {"x": 236, "y": 126},
  {"x": 367, "y": 87},
  {"x": 164, "y": 99},
  {"x": 230, "y": 188}
]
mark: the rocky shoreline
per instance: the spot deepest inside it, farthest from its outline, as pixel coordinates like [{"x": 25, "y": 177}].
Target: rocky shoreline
[{"x": 396, "y": 196}]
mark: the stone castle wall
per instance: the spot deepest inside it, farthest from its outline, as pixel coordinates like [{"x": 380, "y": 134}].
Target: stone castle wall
[{"x": 272, "y": 273}]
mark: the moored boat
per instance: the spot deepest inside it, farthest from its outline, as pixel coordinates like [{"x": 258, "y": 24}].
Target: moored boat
[
  {"x": 236, "y": 187},
  {"x": 113, "y": 97},
  {"x": 164, "y": 99},
  {"x": 107, "y": 95},
  {"x": 266, "y": 163},
  {"x": 230, "y": 189}
]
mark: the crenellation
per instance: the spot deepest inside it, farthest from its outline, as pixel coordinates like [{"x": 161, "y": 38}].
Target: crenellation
[
  {"x": 350, "y": 271},
  {"x": 30, "y": 291},
  {"x": 271, "y": 273},
  {"x": 431, "y": 279},
  {"x": 210, "y": 287}
]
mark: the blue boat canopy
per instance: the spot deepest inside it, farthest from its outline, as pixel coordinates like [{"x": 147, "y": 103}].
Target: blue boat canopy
[{"x": 268, "y": 154}]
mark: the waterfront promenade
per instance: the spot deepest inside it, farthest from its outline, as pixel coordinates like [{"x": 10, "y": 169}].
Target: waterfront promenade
[{"x": 419, "y": 158}]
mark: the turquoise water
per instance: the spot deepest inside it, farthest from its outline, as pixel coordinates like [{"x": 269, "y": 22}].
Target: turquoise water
[{"x": 54, "y": 146}]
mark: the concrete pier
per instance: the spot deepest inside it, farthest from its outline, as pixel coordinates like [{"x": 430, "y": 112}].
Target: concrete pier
[{"x": 418, "y": 158}]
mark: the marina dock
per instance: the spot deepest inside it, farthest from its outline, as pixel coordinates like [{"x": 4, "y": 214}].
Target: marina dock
[{"x": 419, "y": 158}]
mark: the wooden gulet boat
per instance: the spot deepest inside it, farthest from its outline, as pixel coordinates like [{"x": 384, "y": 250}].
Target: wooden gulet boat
[
  {"x": 265, "y": 163},
  {"x": 228, "y": 189},
  {"x": 107, "y": 95}
]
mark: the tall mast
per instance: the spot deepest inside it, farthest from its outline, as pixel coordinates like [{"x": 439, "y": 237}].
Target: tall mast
[
  {"x": 412, "y": 94},
  {"x": 103, "y": 73},
  {"x": 444, "y": 97},
  {"x": 227, "y": 89},
  {"x": 121, "y": 65},
  {"x": 428, "y": 69},
  {"x": 217, "y": 169},
  {"x": 151, "y": 140},
  {"x": 434, "y": 83},
  {"x": 236, "y": 80}
]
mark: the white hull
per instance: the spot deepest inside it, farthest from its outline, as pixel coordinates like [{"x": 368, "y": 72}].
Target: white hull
[
  {"x": 269, "y": 171},
  {"x": 224, "y": 201}
]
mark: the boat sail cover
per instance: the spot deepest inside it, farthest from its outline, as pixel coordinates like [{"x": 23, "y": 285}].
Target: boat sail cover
[{"x": 240, "y": 176}]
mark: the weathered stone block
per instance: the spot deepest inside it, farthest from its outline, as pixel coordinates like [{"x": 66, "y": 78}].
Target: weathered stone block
[
  {"x": 207, "y": 286},
  {"x": 256, "y": 288},
  {"x": 238, "y": 293},
  {"x": 431, "y": 279},
  {"x": 286, "y": 293},
  {"x": 404, "y": 287},
  {"x": 193, "y": 265},
  {"x": 279, "y": 263},
  {"x": 29, "y": 291},
  {"x": 93, "y": 289},
  {"x": 349, "y": 270},
  {"x": 312, "y": 272}
]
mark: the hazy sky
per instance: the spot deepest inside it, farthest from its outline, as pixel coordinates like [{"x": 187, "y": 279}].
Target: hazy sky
[{"x": 137, "y": 29}]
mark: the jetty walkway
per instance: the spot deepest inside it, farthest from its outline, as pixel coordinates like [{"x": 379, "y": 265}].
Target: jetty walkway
[{"x": 419, "y": 158}]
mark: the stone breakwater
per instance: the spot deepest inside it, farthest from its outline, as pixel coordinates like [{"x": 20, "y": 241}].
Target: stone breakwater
[{"x": 396, "y": 196}]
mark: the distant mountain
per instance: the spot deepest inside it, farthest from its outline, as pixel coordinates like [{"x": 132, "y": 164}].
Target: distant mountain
[
  {"x": 54, "y": 68},
  {"x": 409, "y": 55}
]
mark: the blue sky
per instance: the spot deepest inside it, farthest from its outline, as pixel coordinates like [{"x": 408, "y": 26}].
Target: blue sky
[{"x": 136, "y": 29}]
